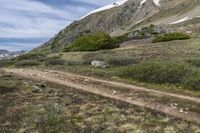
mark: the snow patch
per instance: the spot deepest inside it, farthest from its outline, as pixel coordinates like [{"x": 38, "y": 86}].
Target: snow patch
[
  {"x": 157, "y": 2},
  {"x": 112, "y": 5},
  {"x": 181, "y": 20},
  {"x": 142, "y": 2},
  {"x": 184, "y": 19}
]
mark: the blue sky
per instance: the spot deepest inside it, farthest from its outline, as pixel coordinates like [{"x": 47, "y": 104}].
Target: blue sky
[{"x": 25, "y": 24}]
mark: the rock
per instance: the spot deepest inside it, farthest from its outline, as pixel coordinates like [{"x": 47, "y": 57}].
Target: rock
[
  {"x": 181, "y": 110},
  {"x": 100, "y": 64},
  {"x": 36, "y": 89},
  {"x": 174, "y": 105},
  {"x": 114, "y": 92},
  {"x": 186, "y": 108},
  {"x": 186, "y": 112},
  {"x": 86, "y": 80}
]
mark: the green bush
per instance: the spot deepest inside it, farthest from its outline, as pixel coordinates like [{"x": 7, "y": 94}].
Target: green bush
[
  {"x": 170, "y": 37},
  {"x": 6, "y": 62},
  {"x": 54, "y": 61},
  {"x": 50, "y": 118},
  {"x": 120, "y": 39},
  {"x": 157, "y": 72},
  {"x": 92, "y": 42},
  {"x": 193, "y": 82},
  {"x": 72, "y": 63},
  {"x": 120, "y": 61},
  {"x": 29, "y": 56},
  {"x": 27, "y": 63},
  {"x": 194, "y": 62}
]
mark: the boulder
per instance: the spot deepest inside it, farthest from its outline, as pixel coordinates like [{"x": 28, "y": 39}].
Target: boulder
[{"x": 100, "y": 64}]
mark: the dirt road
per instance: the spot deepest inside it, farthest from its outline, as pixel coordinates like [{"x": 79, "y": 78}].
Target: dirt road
[{"x": 184, "y": 107}]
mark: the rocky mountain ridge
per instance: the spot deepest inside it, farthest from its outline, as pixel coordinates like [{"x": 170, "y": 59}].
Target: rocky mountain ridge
[{"x": 4, "y": 54}]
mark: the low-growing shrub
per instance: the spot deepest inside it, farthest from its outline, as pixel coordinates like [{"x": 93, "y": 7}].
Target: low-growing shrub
[
  {"x": 170, "y": 37},
  {"x": 72, "y": 63},
  {"x": 49, "y": 118},
  {"x": 54, "y": 61},
  {"x": 29, "y": 56},
  {"x": 120, "y": 61},
  {"x": 193, "y": 82},
  {"x": 157, "y": 72},
  {"x": 6, "y": 62},
  {"x": 27, "y": 63},
  {"x": 92, "y": 42},
  {"x": 120, "y": 39},
  {"x": 194, "y": 62}
]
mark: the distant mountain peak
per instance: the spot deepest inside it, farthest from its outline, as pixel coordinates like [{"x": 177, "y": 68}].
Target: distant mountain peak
[{"x": 4, "y": 54}]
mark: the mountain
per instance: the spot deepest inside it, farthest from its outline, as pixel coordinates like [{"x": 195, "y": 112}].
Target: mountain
[
  {"x": 126, "y": 16},
  {"x": 4, "y": 54}
]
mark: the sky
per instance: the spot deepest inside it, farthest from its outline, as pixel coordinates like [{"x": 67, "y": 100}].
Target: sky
[{"x": 26, "y": 24}]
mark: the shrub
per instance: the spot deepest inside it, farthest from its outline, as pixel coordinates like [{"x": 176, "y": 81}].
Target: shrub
[
  {"x": 72, "y": 63},
  {"x": 29, "y": 56},
  {"x": 6, "y": 62},
  {"x": 120, "y": 61},
  {"x": 194, "y": 62},
  {"x": 193, "y": 81},
  {"x": 92, "y": 42},
  {"x": 170, "y": 37},
  {"x": 27, "y": 63},
  {"x": 157, "y": 72},
  {"x": 120, "y": 39},
  {"x": 49, "y": 118},
  {"x": 55, "y": 61}
]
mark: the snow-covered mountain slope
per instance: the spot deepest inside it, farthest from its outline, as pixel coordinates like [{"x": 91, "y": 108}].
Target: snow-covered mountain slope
[
  {"x": 157, "y": 2},
  {"x": 106, "y": 7},
  {"x": 4, "y": 54}
]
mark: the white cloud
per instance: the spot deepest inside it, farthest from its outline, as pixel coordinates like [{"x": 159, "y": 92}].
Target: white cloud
[{"x": 33, "y": 19}]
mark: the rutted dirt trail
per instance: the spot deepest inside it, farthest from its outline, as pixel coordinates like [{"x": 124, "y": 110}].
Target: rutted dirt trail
[{"x": 184, "y": 107}]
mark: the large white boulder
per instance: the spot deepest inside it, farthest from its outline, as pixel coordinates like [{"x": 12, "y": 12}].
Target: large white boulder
[{"x": 101, "y": 64}]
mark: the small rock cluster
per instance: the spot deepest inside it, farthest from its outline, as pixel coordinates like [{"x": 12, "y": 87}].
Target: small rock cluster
[{"x": 181, "y": 110}]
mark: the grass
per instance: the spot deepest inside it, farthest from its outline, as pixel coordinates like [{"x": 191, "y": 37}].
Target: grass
[
  {"x": 26, "y": 63},
  {"x": 158, "y": 72},
  {"x": 60, "y": 109},
  {"x": 194, "y": 62},
  {"x": 55, "y": 60}
]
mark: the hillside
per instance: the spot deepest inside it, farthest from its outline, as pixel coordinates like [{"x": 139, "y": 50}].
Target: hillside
[{"x": 182, "y": 15}]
